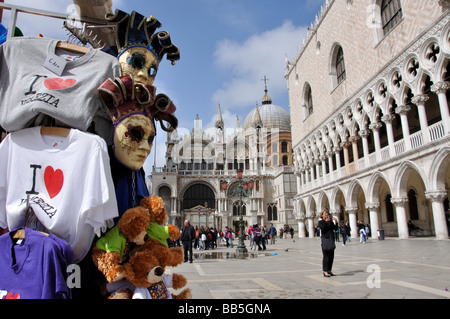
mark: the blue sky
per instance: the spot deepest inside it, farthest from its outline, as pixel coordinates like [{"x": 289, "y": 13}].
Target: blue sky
[{"x": 226, "y": 47}]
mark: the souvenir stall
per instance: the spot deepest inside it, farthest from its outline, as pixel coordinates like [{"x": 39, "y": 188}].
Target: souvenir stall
[{"x": 78, "y": 124}]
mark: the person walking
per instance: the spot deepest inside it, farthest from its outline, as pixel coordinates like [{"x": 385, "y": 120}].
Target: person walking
[
  {"x": 272, "y": 233},
  {"x": 230, "y": 238},
  {"x": 345, "y": 231},
  {"x": 362, "y": 236},
  {"x": 187, "y": 236},
  {"x": 327, "y": 226}
]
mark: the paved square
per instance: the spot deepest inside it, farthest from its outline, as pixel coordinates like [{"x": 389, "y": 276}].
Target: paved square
[{"x": 292, "y": 269}]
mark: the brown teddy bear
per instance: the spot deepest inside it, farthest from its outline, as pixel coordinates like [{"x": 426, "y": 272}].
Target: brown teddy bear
[
  {"x": 114, "y": 247},
  {"x": 146, "y": 279},
  {"x": 158, "y": 233}
]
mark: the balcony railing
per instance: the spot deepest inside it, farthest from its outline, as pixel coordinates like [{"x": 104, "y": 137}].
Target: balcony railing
[{"x": 435, "y": 132}]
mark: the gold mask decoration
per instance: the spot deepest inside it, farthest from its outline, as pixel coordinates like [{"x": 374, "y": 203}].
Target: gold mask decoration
[{"x": 130, "y": 100}]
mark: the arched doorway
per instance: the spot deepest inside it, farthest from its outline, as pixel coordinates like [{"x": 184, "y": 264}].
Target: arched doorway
[{"x": 198, "y": 195}]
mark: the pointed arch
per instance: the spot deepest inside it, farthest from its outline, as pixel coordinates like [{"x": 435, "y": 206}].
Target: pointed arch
[
  {"x": 438, "y": 172},
  {"x": 373, "y": 188},
  {"x": 401, "y": 178},
  {"x": 335, "y": 198},
  {"x": 352, "y": 195}
]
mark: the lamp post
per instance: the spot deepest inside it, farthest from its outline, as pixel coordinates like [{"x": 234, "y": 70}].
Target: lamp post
[{"x": 244, "y": 188}]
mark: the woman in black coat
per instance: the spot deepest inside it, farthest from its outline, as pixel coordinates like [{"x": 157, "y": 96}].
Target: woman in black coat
[{"x": 327, "y": 226}]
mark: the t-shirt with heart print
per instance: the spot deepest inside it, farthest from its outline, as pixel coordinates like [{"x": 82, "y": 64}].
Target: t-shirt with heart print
[
  {"x": 66, "y": 182},
  {"x": 29, "y": 90}
]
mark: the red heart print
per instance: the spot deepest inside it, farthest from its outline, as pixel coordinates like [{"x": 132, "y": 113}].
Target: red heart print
[
  {"x": 58, "y": 83},
  {"x": 53, "y": 180}
]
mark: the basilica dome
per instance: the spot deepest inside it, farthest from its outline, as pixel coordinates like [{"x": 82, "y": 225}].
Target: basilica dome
[{"x": 271, "y": 116}]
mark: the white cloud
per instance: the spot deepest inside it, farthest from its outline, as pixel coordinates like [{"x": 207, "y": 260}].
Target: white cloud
[{"x": 248, "y": 62}]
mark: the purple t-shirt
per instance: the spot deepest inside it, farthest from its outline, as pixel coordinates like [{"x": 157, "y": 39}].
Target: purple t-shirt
[{"x": 35, "y": 267}]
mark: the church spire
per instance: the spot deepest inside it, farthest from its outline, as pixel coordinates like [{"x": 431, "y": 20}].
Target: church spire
[
  {"x": 219, "y": 120},
  {"x": 257, "y": 122}
]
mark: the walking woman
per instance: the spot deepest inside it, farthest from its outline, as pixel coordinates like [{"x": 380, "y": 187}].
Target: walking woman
[{"x": 327, "y": 226}]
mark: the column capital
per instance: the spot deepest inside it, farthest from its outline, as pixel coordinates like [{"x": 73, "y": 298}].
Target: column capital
[
  {"x": 330, "y": 153},
  {"x": 388, "y": 118},
  {"x": 351, "y": 210},
  {"x": 346, "y": 144},
  {"x": 299, "y": 215},
  {"x": 354, "y": 139},
  {"x": 364, "y": 133},
  {"x": 373, "y": 206},
  {"x": 337, "y": 149},
  {"x": 402, "y": 109},
  {"x": 310, "y": 215},
  {"x": 375, "y": 126},
  {"x": 436, "y": 196},
  {"x": 440, "y": 87},
  {"x": 400, "y": 201},
  {"x": 419, "y": 99}
]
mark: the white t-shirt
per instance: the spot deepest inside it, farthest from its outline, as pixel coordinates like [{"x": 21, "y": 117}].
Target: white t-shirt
[{"x": 65, "y": 180}]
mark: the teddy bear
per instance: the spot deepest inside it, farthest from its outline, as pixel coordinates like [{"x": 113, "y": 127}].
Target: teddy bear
[
  {"x": 158, "y": 233},
  {"x": 145, "y": 278},
  {"x": 114, "y": 247}
]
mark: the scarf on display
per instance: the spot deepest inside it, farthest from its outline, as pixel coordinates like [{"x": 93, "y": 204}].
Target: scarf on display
[{"x": 130, "y": 189}]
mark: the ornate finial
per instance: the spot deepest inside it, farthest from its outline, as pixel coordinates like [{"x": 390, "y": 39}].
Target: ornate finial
[
  {"x": 266, "y": 98},
  {"x": 219, "y": 120}
]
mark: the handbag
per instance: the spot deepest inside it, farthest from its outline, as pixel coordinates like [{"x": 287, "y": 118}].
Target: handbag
[{"x": 328, "y": 244}]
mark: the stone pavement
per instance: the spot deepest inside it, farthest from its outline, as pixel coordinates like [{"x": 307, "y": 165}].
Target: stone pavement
[{"x": 292, "y": 269}]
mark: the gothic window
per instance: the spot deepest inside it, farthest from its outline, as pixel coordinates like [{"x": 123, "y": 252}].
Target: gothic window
[
  {"x": 391, "y": 14},
  {"x": 272, "y": 213},
  {"x": 236, "y": 208},
  {"x": 309, "y": 101},
  {"x": 284, "y": 147},
  {"x": 340, "y": 66}
]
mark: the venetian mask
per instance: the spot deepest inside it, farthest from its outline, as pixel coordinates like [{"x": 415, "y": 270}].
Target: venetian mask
[
  {"x": 133, "y": 139},
  {"x": 140, "y": 63}
]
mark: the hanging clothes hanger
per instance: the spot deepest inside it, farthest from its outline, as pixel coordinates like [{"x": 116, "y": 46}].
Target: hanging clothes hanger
[
  {"x": 19, "y": 234},
  {"x": 54, "y": 130},
  {"x": 72, "y": 47}
]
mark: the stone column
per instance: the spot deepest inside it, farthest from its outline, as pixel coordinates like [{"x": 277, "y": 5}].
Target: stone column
[
  {"x": 375, "y": 127},
  {"x": 301, "y": 224},
  {"x": 345, "y": 146},
  {"x": 352, "y": 221},
  {"x": 337, "y": 151},
  {"x": 298, "y": 175},
  {"x": 388, "y": 118},
  {"x": 324, "y": 168},
  {"x": 403, "y": 111},
  {"x": 373, "y": 213},
  {"x": 354, "y": 140},
  {"x": 330, "y": 161},
  {"x": 317, "y": 166},
  {"x": 402, "y": 223},
  {"x": 420, "y": 100},
  {"x": 364, "y": 134},
  {"x": 440, "y": 222},
  {"x": 311, "y": 230},
  {"x": 440, "y": 89}
]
